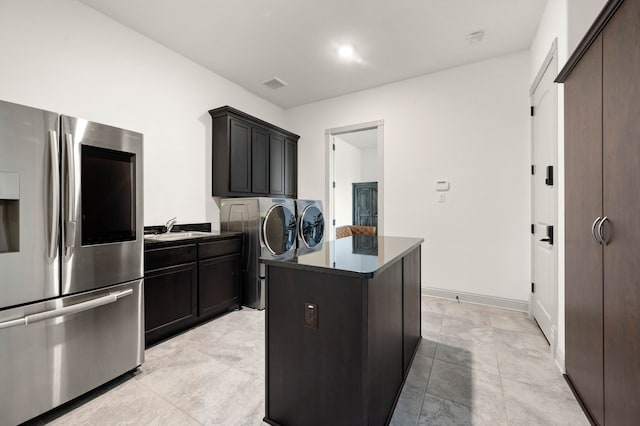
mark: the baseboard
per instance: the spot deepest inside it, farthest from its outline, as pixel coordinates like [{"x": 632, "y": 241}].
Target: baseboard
[
  {"x": 559, "y": 360},
  {"x": 479, "y": 299}
]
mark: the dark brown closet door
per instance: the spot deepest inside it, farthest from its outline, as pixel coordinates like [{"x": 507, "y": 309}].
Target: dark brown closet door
[
  {"x": 621, "y": 164},
  {"x": 583, "y": 205}
]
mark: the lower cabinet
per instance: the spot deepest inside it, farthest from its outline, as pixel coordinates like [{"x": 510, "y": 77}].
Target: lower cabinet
[
  {"x": 219, "y": 284},
  {"x": 189, "y": 283},
  {"x": 170, "y": 300}
]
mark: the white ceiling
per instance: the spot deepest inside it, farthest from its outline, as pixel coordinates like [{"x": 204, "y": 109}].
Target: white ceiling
[{"x": 250, "y": 41}]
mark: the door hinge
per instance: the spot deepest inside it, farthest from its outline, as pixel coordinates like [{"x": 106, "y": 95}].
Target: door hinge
[
  {"x": 334, "y": 222},
  {"x": 533, "y": 169},
  {"x": 549, "y": 179},
  {"x": 334, "y": 184},
  {"x": 334, "y": 146},
  {"x": 533, "y": 287},
  {"x": 533, "y": 228},
  {"x": 532, "y": 110}
]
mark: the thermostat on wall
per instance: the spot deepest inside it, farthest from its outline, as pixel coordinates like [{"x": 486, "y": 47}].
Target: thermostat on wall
[{"x": 442, "y": 185}]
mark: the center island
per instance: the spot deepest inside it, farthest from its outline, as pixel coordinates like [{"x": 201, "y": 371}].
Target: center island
[{"x": 342, "y": 327}]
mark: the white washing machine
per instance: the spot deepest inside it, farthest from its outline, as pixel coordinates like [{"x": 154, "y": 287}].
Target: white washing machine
[
  {"x": 310, "y": 225},
  {"x": 269, "y": 227}
]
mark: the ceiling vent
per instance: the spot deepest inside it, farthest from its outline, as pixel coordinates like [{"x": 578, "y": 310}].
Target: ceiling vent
[
  {"x": 475, "y": 37},
  {"x": 274, "y": 83}
]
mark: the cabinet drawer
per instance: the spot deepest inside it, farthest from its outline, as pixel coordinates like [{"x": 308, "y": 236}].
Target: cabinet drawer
[
  {"x": 219, "y": 248},
  {"x": 169, "y": 256}
]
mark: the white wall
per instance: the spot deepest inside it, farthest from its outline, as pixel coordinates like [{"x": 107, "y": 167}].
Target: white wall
[
  {"x": 468, "y": 125},
  {"x": 581, "y": 14},
  {"x": 369, "y": 165},
  {"x": 347, "y": 170},
  {"x": 568, "y": 21},
  {"x": 65, "y": 57}
]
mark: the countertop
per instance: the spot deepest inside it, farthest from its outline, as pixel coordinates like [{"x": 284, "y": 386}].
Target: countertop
[
  {"x": 214, "y": 236},
  {"x": 351, "y": 256}
]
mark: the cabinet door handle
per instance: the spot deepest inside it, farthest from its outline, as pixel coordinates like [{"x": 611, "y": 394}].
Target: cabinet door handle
[
  {"x": 593, "y": 230},
  {"x": 600, "y": 236}
]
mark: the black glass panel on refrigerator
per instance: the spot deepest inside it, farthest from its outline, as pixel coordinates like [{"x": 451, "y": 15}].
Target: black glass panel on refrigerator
[
  {"x": 279, "y": 230},
  {"x": 312, "y": 226},
  {"x": 108, "y": 196}
]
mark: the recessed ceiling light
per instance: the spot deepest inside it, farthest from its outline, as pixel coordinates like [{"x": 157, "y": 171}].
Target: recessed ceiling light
[
  {"x": 346, "y": 51},
  {"x": 475, "y": 37}
]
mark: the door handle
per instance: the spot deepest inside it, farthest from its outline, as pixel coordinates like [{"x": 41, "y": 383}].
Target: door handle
[
  {"x": 549, "y": 238},
  {"x": 600, "y": 236},
  {"x": 70, "y": 225},
  {"x": 55, "y": 192},
  {"x": 67, "y": 310},
  {"x": 593, "y": 230}
]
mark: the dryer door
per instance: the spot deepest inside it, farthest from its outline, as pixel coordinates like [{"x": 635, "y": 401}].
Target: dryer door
[
  {"x": 311, "y": 226},
  {"x": 279, "y": 230}
]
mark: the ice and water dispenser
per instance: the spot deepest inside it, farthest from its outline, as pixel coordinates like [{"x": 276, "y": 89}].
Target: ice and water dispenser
[{"x": 9, "y": 212}]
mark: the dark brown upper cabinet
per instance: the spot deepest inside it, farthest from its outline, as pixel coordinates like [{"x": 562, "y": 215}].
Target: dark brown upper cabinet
[{"x": 251, "y": 157}]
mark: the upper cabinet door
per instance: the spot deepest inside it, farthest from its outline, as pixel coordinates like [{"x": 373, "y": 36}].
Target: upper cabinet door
[
  {"x": 260, "y": 161},
  {"x": 621, "y": 178},
  {"x": 290, "y": 167},
  {"x": 276, "y": 149},
  {"x": 248, "y": 156},
  {"x": 240, "y": 156}
]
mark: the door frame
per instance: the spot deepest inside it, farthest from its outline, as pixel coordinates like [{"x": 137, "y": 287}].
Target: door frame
[
  {"x": 329, "y": 155},
  {"x": 546, "y": 64}
]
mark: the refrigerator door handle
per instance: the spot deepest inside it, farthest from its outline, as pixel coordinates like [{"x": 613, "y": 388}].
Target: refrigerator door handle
[
  {"x": 55, "y": 192},
  {"x": 70, "y": 225},
  {"x": 67, "y": 310}
]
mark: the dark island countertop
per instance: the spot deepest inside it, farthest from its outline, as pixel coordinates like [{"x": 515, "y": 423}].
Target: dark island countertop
[{"x": 362, "y": 255}]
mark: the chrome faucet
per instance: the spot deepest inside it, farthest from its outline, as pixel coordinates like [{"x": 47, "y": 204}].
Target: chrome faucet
[{"x": 170, "y": 223}]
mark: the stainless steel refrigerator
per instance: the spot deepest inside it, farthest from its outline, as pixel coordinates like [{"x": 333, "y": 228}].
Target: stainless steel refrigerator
[{"x": 71, "y": 250}]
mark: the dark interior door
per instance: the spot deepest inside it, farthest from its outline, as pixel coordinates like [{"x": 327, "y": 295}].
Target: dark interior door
[
  {"x": 365, "y": 204},
  {"x": 621, "y": 181},
  {"x": 583, "y": 204}
]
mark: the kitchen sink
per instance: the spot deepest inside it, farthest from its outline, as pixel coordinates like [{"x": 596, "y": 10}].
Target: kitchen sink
[{"x": 172, "y": 236}]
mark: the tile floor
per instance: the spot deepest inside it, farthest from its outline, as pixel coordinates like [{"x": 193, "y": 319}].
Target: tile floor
[{"x": 475, "y": 365}]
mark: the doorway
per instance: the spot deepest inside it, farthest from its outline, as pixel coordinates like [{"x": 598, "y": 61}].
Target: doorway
[
  {"x": 355, "y": 156},
  {"x": 544, "y": 198}
]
